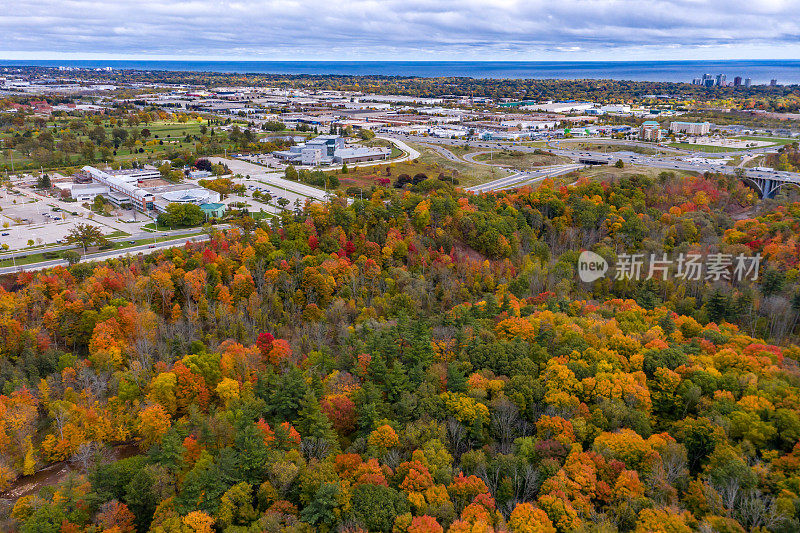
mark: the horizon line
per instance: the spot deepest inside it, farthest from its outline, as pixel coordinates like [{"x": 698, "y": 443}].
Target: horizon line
[{"x": 220, "y": 60}]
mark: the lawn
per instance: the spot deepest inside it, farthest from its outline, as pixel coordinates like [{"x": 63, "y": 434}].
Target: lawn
[
  {"x": 468, "y": 174},
  {"x": 521, "y": 160},
  {"x": 117, "y": 245},
  {"x": 773, "y": 140},
  {"x": 596, "y": 146},
  {"x": 755, "y": 162},
  {"x": 461, "y": 150},
  {"x": 28, "y": 259},
  {"x": 430, "y": 163},
  {"x": 171, "y": 133},
  {"x": 704, "y": 148},
  {"x": 396, "y": 152},
  {"x": 534, "y": 144},
  {"x": 611, "y": 172},
  {"x": 155, "y": 226}
]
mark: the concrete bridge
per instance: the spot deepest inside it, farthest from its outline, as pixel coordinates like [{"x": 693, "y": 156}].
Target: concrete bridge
[{"x": 768, "y": 183}]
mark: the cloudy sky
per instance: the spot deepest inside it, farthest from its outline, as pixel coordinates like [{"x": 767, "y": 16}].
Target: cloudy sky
[{"x": 400, "y": 29}]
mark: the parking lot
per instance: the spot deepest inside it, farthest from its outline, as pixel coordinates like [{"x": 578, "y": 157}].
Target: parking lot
[
  {"x": 30, "y": 215},
  {"x": 268, "y": 160},
  {"x": 254, "y": 185},
  {"x": 17, "y": 237}
]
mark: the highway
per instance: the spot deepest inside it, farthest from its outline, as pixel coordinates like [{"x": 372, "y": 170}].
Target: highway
[
  {"x": 62, "y": 247},
  {"x": 692, "y": 161},
  {"x": 525, "y": 178},
  {"x": 109, "y": 254}
]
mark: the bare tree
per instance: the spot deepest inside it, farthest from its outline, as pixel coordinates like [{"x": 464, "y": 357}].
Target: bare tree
[
  {"x": 755, "y": 510},
  {"x": 457, "y": 437},
  {"x": 315, "y": 448},
  {"x": 88, "y": 455},
  {"x": 505, "y": 421}
]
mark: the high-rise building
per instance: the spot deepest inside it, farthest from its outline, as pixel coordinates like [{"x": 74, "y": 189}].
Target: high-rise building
[
  {"x": 737, "y": 81},
  {"x": 721, "y": 80},
  {"x": 773, "y": 82},
  {"x": 747, "y": 82}
]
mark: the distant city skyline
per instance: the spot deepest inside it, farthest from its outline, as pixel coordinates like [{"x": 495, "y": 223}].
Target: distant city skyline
[{"x": 571, "y": 30}]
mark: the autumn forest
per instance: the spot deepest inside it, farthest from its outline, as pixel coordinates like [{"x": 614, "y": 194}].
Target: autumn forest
[{"x": 424, "y": 360}]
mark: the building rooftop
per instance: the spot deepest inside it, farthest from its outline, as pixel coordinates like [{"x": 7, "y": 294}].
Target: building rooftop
[
  {"x": 197, "y": 195},
  {"x": 355, "y": 152}
]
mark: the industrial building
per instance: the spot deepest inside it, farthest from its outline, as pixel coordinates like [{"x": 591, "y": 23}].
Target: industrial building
[
  {"x": 328, "y": 149},
  {"x": 88, "y": 192},
  {"x": 560, "y": 107},
  {"x": 359, "y": 155}
]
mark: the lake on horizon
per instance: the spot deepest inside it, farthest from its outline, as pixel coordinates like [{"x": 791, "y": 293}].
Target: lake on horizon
[{"x": 760, "y": 71}]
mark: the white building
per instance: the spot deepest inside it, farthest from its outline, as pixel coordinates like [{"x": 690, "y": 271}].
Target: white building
[
  {"x": 690, "y": 128},
  {"x": 327, "y": 149},
  {"x": 199, "y": 174},
  {"x": 535, "y": 125},
  {"x": 123, "y": 187},
  {"x": 360, "y": 154},
  {"x": 616, "y": 108},
  {"x": 198, "y": 195},
  {"x": 87, "y": 192},
  {"x": 560, "y": 107}
]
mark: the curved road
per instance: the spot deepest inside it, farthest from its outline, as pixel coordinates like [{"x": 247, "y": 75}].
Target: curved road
[{"x": 692, "y": 161}]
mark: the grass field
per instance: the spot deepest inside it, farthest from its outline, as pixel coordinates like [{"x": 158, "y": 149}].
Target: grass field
[
  {"x": 534, "y": 144},
  {"x": 462, "y": 149},
  {"x": 704, "y": 148},
  {"x": 755, "y": 162},
  {"x": 396, "y": 152},
  {"x": 171, "y": 134},
  {"x": 164, "y": 136},
  {"x": 773, "y": 140},
  {"x": 611, "y": 172},
  {"x": 430, "y": 163},
  {"x": 468, "y": 174},
  {"x": 594, "y": 146},
  {"x": 521, "y": 160}
]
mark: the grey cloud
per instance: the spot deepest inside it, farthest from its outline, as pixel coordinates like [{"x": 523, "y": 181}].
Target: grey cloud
[{"x": 399, "y": 28}]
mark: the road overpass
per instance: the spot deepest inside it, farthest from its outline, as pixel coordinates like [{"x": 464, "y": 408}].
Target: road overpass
[{"x": 766, "y": 182}]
